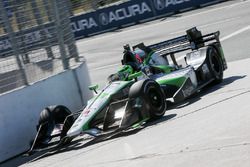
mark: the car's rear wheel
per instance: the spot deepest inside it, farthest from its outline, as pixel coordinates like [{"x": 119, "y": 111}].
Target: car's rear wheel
[
  {"x": 215, "y": 65},
  {"x": 151, "y": 93}
]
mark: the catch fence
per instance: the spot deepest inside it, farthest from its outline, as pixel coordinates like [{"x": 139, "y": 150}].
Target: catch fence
[{"x": 36, "y": 41}]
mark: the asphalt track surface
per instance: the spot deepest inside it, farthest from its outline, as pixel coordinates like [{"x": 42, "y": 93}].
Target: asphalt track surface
[{"x": 210, "y": 129}]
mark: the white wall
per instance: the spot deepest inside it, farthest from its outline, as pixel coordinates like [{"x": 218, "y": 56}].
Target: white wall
[{"x": 20, "y": 109}]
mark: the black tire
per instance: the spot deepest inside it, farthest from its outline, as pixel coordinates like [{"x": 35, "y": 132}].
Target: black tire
[
  {"x": 150, "y": 92},
  {"x": 54, "y": 115},
  {"x": 215, "y": 65},
  {"x": 46, "y": 120}
]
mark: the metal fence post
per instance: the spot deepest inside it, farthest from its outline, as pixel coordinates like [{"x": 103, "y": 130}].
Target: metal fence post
[
  {"x": 70, "y": 42},
  {"x": 13, "y": 42},
  {"x": 60, "y": 35},
  {"x": 40, "y": 21},
  {"x": 20, "y": 25}
]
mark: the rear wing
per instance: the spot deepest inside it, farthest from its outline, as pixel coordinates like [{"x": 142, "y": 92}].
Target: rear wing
[{"x": 192, "y": 40}]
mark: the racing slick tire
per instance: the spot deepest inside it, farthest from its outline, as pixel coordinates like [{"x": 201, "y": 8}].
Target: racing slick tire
[
  {"x": 215, "y": 65},
  {"x": 51, "y": 116},
  {"x": 151, "y": 93}
]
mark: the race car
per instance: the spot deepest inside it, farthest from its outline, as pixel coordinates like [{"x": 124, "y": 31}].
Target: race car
[{"x": 139, "y": 91}]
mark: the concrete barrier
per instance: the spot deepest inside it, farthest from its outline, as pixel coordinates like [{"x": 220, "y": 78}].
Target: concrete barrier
[{"x": 20, "y": 109}]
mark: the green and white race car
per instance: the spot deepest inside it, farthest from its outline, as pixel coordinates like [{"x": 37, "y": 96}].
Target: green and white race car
[{"x": 139, "y": 91}]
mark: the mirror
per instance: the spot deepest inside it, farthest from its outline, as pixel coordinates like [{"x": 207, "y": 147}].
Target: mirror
[{"x": 94, "y": 88}]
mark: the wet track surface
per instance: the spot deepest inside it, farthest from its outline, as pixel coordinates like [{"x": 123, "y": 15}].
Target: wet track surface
[{"x": 210, "y": 129}]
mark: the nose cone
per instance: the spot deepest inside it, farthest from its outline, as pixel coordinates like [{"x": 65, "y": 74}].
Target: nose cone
[
  {"x": 78, "y": 126},
  {"x": 74, "y": 132}
]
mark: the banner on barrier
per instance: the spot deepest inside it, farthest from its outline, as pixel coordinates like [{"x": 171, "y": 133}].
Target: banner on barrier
[{"x": 127, "y": 13}]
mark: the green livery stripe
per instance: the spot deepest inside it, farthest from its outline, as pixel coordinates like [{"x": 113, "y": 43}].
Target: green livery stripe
[
  {"x": 85, "y": 127},
  {"x": 146, "y": 61},
  {"x": 167, "y": 69},
  {"x": 103, "y": 95},
  {"x": 139, "y": 123},
  {"x": 132, "y": 76},
  {"x": 172, "y": 81}
]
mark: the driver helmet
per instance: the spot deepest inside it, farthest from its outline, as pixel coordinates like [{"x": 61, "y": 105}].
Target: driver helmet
[{"x": 140, "y": 55}]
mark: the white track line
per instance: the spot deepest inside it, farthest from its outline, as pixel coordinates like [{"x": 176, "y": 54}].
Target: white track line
[
  {"x": 235, "y": 33},
  {"x": 207, "y": 25}
]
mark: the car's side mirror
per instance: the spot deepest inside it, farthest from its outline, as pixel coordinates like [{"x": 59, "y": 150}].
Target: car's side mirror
[{"x": 94, "y": 88}]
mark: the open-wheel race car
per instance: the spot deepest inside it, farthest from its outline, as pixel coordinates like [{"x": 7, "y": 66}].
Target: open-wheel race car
[{"x": 138, "y": 92}]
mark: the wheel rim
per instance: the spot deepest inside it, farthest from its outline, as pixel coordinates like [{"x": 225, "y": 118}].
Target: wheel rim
[{"x": 155, "y": 98}]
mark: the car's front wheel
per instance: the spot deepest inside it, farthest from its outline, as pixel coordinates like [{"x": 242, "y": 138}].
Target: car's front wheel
[
  {"x": 49, "y": 118},
  {"x": 150, "y": 92}
]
